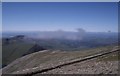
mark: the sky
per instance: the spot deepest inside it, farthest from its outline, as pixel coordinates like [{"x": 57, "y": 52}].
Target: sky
[
  {"x": 68, "y": 16},
  {"x": 60, "y": 0}
]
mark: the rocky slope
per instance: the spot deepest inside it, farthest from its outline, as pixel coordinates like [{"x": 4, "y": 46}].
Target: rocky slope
[{"x": 100, "y": 65}]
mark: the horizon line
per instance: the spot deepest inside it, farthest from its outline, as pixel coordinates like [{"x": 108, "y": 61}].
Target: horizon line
[{"x": 61, "y": 30}]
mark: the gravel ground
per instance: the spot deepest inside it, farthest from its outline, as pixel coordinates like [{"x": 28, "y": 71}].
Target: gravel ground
[{"x": 88, "y": 67}]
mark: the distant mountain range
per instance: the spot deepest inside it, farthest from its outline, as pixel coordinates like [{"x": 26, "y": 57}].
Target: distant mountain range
[{"x": 60, "y": 34}]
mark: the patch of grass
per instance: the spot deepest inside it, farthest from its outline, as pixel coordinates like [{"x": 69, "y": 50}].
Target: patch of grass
[{"x": 110, "y": 57}]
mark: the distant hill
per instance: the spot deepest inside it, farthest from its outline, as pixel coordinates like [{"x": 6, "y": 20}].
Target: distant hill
[{"x": 16, "y": 47}]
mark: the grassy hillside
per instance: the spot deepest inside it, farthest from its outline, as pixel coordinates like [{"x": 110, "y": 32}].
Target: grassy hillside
[{"x": 15, "y": 48}]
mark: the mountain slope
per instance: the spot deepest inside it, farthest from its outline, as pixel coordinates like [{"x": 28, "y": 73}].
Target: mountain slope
[
  {"x": 14, "y": 48},
  {"x": 45, "y": 59}
]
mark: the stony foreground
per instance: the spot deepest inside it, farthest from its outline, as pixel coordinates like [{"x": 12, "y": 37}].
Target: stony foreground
[
  {"x": 88, "y": 67},
  {"x": 107, "y": 64}
]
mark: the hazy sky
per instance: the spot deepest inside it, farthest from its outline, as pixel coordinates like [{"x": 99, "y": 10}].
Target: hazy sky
[{"x": 92, "y": 16}]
